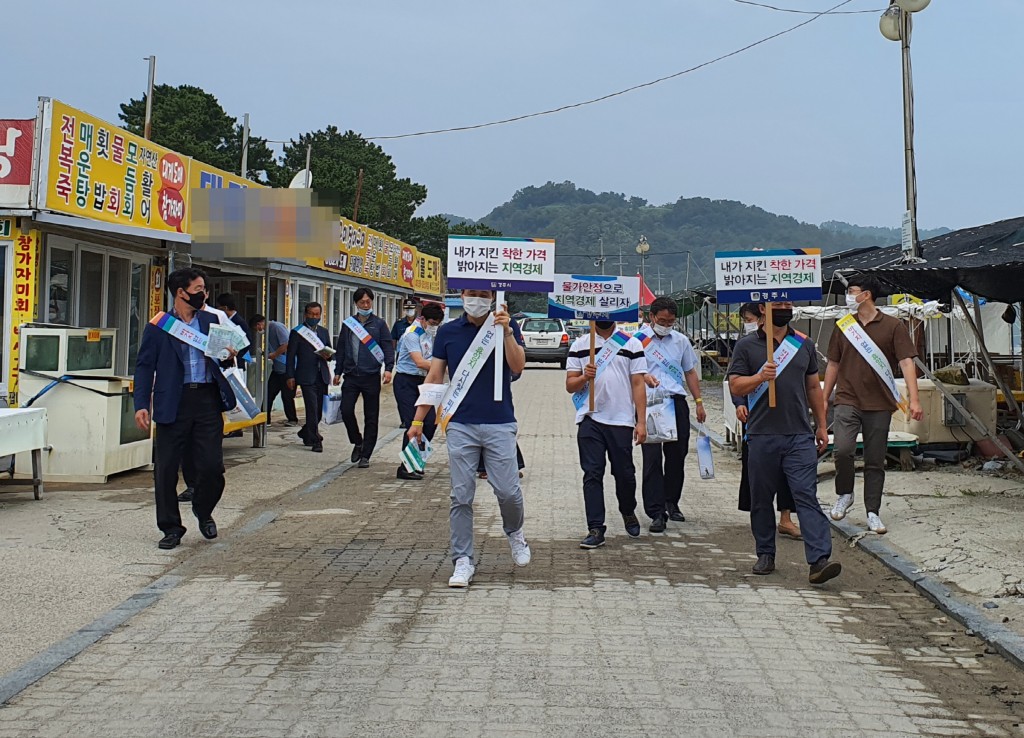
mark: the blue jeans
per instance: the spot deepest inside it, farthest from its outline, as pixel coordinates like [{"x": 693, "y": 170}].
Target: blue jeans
[{"x": 777, "y": 460}]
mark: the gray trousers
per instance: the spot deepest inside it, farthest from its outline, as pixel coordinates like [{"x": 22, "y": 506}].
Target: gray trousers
[
  {"x": 874, "y": 426},
  {"x": 497, "y": 444}
]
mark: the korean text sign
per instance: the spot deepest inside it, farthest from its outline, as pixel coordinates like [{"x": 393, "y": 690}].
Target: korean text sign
[
  {"x": 778, "y": 275},
  {"x": 364, "y": 252},
  {"x": 23, "y": 296},
  {"x": 99, "y": 171},
  {"x": 513, "y": 264},
  {"x": 578, "y": 297}
]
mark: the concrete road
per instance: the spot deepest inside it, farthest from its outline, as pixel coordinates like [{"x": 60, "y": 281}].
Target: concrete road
[{"x": 335, "y": 619}]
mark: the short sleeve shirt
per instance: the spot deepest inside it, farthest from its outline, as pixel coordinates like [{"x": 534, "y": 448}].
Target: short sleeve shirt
[
  {"x": 789, "y": 417},
  {"x": 858, "y": 384},
  {"x": 613, "y": 399},
  {"x": 679, "y": 351},
  {"x": 277, "y": 335},
  {"x": 451, "y": 343},
  {"x": 408, "y": 343}
]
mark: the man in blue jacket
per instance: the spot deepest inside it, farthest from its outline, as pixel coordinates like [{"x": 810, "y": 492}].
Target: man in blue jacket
[
  {"x": 364, "y": 346},
  {"x": 187, "y": 393}
]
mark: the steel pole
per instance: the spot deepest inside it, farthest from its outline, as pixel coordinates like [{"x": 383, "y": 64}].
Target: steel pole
[
  {"x": 906, "y": 29},
  {"x": 147, "y": 127}
]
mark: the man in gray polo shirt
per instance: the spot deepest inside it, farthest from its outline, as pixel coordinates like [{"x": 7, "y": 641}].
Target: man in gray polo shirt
[{"x": 782, "y": 445}]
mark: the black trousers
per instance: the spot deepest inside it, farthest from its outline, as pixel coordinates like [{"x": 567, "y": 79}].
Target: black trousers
[
  {"x": 407, "y": 390},
  {"x": 197, "y": 434},
  {"x": 664, "y": 465},
  {"x": 277, "y": 384},
  {"x": 783, "y": 499},
  {"x": 367, "y": 386},
  {"x": 313, "y": 400},
  {"x": 597, "y": 441}
]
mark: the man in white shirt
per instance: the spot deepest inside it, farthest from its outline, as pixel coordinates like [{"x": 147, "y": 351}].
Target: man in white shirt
[
  {"x": 671, "y": 361},
  {"x": 618, "y": 421}
]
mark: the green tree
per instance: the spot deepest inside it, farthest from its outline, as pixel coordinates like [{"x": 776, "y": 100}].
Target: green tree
[
  {"x": 387, "y": 202},
  {"x": 430, "y": 234},
  {"x": 192, "y": 122}
]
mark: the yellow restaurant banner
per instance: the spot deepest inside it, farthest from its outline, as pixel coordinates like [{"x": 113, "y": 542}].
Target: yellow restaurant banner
[
  {"x": 372, "y": 255},
  {"x": 23, "y": 298},
  {"x": 99, "y": 171}
]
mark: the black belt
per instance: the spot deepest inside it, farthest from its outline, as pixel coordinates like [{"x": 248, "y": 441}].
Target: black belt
[{"x": 198, "y": 385}]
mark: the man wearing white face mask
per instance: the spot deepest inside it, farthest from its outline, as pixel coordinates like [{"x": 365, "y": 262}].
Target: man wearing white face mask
[
  {"x": 476, "y": 424},
  {"x": 866, "y": 395},
  {"x": 364, "y": 346},
  {"x": 671, "y": 363}
]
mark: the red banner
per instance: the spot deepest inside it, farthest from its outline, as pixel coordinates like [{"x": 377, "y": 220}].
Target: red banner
[{"x": 16, "y": 162}]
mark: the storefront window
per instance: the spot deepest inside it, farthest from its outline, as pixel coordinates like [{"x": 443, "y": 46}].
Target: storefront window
[
  {"x": 136, "y": 319},
  {"x": 90, "y": 290},
  {"x": 62, "y": 266},
  {"x": 118, "y": 298}
]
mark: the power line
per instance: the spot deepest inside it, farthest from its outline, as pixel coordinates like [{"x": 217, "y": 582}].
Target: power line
[
  {"x": 806, "y": 12},
  {"x": 562, "y": 108}
]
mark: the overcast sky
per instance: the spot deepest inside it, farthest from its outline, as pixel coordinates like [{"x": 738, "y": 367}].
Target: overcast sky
[{"x": 808, "y": 125}]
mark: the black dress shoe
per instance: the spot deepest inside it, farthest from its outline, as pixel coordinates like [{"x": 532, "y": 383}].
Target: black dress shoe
[
  {"x": 208, "y": 528},
  {"x": 169, "y": 541},
  {"x": 318, "y": 448},
  {"x": 658, "y": 525},
  {"x": 186, "y": 496},
  {"x": 823, "y": 570},
  {"x": 364, "y": 463},
  {"x": 357, "y": 452},
  {"x": 404, "y": 473},
  {"x": 632, "y": 525},
  {"x": 675, "y": 514},
  {"x": 765, "y": 564}
]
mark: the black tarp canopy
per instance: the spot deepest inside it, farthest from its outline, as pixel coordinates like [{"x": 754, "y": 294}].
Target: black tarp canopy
[{"x": 985, "y": 260}]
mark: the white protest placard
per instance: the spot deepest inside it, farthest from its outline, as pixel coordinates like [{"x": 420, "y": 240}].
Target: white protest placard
[
  {"x": 578, "y": 297},
  {"x": 501, "y": 264},
  {"x": 777, "y": 275}
]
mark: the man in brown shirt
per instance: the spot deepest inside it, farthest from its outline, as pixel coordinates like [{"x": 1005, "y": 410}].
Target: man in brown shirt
[{"x": 863, "y": 402}]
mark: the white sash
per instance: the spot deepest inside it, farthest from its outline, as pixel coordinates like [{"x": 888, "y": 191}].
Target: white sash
[
  {"x": 653, "y": 351},
  {"x": 311, "y": 337},
  {"x": 365, "y": 338},
  {"x": 469, "y": 369},
  {"x": 784, "y": 354},
  {"x": 609, "y": 350},
  {"x": 870, "y": 352}
]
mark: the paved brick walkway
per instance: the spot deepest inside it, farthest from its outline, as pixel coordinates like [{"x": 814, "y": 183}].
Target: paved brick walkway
[{"x": 335, "y": 620}]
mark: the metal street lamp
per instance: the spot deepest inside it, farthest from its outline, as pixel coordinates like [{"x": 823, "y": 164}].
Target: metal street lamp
[
  {"x": 896, "y": 25},
  {"x": 642, "y": 248}
]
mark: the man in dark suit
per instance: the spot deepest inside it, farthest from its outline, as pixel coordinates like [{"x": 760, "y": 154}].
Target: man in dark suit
[
  {"x": 187, "y": 393},
  {"x": 308, "y": 369}
]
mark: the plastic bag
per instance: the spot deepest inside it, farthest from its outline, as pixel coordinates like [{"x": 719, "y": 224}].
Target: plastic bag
[
  {"x": 332, "y": 409},
  {"x": 661, "y": 417},
  {"x": 705, "y": 460}
]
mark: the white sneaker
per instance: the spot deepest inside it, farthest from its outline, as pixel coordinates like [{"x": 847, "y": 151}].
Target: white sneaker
[
  {"x": 875, "y": 524},
  {"x": 842, "y": 506},
  {"x": 463, "y": 575},
  {"x": 520, "y": 548}
]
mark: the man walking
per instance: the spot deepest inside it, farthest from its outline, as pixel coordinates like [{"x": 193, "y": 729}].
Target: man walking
[
  {"x": 187, "y": 393},
  {"x": 474, "y": 421},
  {"x": 309, "y": 347},
  {"x": 671, "y": 363},
  {"x": 619, "y": 419},
  {"x": 783, "y": 448},
  {"x": 364, "y": 346},
  {"x": 414, "y": 354},
  {"x": 864, "y": 348},
  {"x": 404, "y": 323},
  {"x": 277, "y": 382}
]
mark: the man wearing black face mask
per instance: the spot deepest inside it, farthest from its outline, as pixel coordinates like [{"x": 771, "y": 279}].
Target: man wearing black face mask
[
  {"x": 187, "y": 393},
  {"x": 308, "y": 346},
  {"x": 783, "y": 448}
]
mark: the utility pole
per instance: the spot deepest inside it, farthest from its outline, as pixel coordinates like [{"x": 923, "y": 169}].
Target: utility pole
[
  {"x": 146, "y": 130},
  {"x": 601, "y": 243},
  {"x": 621, "y": 261},
  {"x": 245, "y": 146},
  {"x": 659, "y": 279},
  {"x": 309, "y": 155}
]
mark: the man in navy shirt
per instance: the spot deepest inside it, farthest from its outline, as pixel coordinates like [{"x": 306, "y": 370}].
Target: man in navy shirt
[{"x": 479, "y": 427}]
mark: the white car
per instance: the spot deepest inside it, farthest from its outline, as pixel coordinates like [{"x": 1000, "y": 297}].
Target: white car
[{"x": 546, "y": 339}]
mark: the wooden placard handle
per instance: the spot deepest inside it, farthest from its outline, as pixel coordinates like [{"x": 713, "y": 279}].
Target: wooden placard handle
[{"x": 593, "y": 349}]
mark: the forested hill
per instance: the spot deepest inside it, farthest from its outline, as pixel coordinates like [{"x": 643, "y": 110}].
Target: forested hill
[{"x": 580, "y": 220}]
